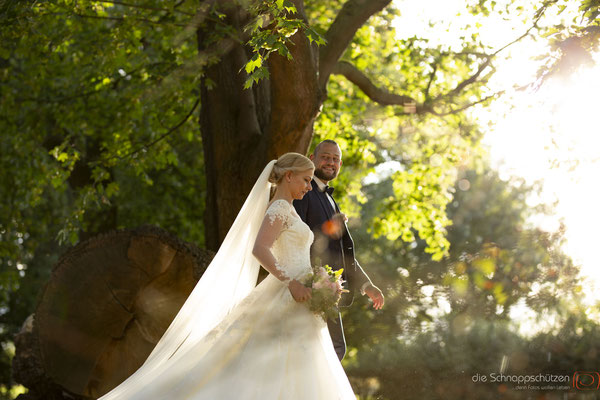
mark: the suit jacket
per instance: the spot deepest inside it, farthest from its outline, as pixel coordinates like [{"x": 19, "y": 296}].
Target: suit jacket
[{"x": 315, "y": 209}]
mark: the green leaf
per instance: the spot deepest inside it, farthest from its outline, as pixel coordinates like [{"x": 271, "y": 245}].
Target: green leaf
[
  {"x": 111, "y": 189},
  {"x": 257, "y": 75},
  {"x": 253, "y": 63},
  {"x": 314, "y": 36}
]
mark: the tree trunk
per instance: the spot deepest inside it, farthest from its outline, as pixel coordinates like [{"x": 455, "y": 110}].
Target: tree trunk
[
  {"x": 243, "y": 129},
  {"x": 106, "y": 305}
]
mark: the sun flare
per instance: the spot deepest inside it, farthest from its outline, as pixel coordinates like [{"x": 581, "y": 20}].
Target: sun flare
[{"x": 553, "y": 135}]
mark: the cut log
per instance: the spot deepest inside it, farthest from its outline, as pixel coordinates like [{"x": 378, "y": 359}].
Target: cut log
[
  {"x": 28, "y": 370},
  {"x": 105, "y": 306}
]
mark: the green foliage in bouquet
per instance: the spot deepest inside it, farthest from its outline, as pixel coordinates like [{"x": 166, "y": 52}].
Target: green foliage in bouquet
[{"x": 327, "y": 289}]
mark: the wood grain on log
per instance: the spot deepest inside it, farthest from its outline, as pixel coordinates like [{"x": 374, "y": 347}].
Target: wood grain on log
[{"x": 106, "y": 305}]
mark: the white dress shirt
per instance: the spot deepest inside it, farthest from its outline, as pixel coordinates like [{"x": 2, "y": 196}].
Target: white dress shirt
[{"x": 321, "y": 185}]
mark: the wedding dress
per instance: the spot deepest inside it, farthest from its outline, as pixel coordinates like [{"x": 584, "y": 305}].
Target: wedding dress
[{"x": 268, "y": 346}]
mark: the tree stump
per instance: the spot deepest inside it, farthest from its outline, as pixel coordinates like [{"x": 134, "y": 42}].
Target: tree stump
[{"x": 106, "y": 305}]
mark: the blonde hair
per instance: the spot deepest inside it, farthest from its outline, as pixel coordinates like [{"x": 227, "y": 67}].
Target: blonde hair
[{"x": 294, "y": 162}]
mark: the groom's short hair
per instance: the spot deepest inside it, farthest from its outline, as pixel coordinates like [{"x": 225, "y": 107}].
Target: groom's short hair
[{"x": 316, "y": 150}]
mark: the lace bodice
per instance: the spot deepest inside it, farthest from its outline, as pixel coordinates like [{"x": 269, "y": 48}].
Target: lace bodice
[{"x": 292, "y": 247}]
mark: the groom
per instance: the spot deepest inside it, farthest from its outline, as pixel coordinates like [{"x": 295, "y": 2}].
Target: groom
[{"x": 333, "y": 244}]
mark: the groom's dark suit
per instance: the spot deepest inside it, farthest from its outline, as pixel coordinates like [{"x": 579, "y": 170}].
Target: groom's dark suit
[{"x": 315, "y": 209}]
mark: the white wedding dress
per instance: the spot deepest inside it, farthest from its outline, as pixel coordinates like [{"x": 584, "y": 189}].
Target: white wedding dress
[{"x": 267, "y": 347}]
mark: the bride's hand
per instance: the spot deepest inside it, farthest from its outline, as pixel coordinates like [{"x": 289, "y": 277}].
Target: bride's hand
[{"x": 299, "y": 292}]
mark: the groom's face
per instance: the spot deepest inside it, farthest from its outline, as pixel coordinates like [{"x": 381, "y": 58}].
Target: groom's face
[{"x": 327, "y": 160}]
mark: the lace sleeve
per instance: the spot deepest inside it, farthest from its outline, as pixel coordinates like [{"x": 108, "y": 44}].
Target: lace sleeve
[
  {"x": 278, "y": 211},
  {"x": 276, "y": 220}
]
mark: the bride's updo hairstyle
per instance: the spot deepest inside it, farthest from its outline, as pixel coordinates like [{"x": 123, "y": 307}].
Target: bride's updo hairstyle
[{"x": 294, "y": 162}]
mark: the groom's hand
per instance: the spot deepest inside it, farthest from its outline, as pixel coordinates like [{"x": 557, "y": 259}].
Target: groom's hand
[
  {"x": 376, "y": 296},
  {"x": 299, "y": 292}
]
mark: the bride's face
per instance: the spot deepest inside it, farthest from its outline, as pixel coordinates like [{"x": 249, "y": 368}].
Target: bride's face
[{"x": 299, "y": 183}]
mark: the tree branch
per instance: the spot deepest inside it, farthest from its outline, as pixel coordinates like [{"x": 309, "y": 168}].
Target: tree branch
[
  {"x": 376, "y": 94},
  {"x": 486, "y": 63},
  {"x": 354, "y": 13},
  {"x": 469, "y": 105},
  {"x": 384, "y": 97},
  {"x": 469, "y": 80},
  {"x": 539, "y": 15},
  {"x": 57, "y": 99},
  {"x": 431, "y": 78},
  {"x": 149, "y": 21},
  {"x": 146, "y": 146},
  {"x": 144, "y": 7},
  {"x": 352, "y": 16},
  {"x": 60, "y": 99}
]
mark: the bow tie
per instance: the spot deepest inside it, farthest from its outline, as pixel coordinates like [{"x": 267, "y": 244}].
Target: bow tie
[{"x": 328, "y": 189}]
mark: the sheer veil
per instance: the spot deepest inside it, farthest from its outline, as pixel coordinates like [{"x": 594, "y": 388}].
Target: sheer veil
[{"x": 228, "y": 279}]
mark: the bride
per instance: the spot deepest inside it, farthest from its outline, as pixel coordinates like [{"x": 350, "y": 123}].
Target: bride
[{"x": 235, "y": 340}]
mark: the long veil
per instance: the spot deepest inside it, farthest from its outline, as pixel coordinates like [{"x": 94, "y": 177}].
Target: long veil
[{"x": 228, "y": 279}]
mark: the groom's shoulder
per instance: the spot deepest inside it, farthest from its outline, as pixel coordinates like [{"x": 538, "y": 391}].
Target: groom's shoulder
[
  {"x": 308, "y": 197},
  {"x": 303, "y": 201},
  {"x": 303, "y": 205}
]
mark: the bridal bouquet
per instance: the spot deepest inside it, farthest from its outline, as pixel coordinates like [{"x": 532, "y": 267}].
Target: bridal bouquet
[{"x": 327, "y": 289}]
